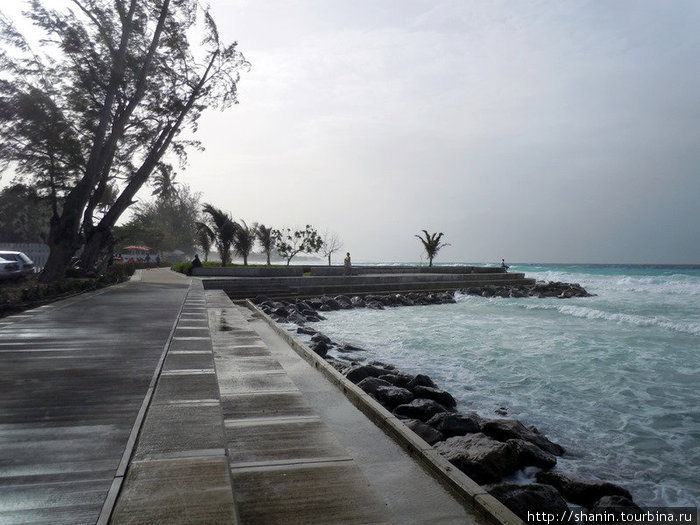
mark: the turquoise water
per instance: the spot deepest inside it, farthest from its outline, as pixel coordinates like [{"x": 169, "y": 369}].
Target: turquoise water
[{"x": 613, "y": 378}]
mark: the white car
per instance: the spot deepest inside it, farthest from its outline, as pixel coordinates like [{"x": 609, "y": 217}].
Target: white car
[
  {"x": 8, "y": 269},
  {"x": 24, "y": 263}
]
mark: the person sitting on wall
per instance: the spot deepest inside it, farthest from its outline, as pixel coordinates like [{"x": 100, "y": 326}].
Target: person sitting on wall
[
  {"x": 196, "y": 263},
  {"x": 504, "y": 265}
]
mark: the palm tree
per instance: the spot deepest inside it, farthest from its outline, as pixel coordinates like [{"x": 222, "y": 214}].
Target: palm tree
[
  {"x": 264, "y": 235},
  {"x": 244, "y": 239},
  {"x": 224, "y": 230},
  {"x": 432, "y": 244},
  {"x": 164, "y": 184},
  {"x": 203, "y": 238}
]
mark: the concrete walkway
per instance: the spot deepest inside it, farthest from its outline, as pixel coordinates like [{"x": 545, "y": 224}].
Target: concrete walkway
[
  {"x": 133, "y": 404},
  {"x": 74, "y": 378}
]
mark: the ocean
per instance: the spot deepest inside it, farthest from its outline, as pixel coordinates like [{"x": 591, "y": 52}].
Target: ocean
[{"x": 613, "y": 378}]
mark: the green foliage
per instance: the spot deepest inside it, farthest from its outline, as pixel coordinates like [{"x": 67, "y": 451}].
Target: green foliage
[
  {"x": 290, "y": 242},
  {"x": 24, "y": 214},
  {"x": 244, "y": 240},
  {"x": 264, "y": 236},
  {"x": 90, "y": 113},
  {"x": 166, "y": 224},
  {"x": 224, "y": 229},
  {"x": 432, "y": 244},
  {"x": 203, "y": 238}
]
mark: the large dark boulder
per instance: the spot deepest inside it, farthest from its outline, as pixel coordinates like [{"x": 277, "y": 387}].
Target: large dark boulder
[
  {"x": 398, "y": 379},
  {"x": 320, "y": 347},
  {"x": 581, "y": 492},
  {"x": 447, "y": 298},
  {"x": 403, "y": 300},
  {"x": 480, "y": 457},
  {"x": 347, "y": 347},
  {"x": 451, "y": 424},
  {"x": 370, "y": 384},
  {"x": 505, "y": 429},
  {"x": 315, "y": 303},
  {"x": 281, "y": 311},
  {"x": 425, "y": 432},
  {"x": 296, "y": 318},
  {"x": 420, "y": 380},
  {"x": 357, "y": 301},
  {"x": 422, "y": 409},
  {"x": 332, "y": 304},
  {"x": 318, "y": 336},
  {"x": 374, "y": 305},
  {"x": 393, "y": 396},
  {"x": 358, "y": 373},
  {"x": 305, "y": 330},
  {"x": 524, "y": 499},
  {"x": 441, "y": 396},
  {"x": 344, "y": 301},
  {"x": 532, "y": 455}
]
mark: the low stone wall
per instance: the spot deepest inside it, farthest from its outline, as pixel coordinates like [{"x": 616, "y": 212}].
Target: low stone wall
[
  {"x": 248, "y": 271},
  {"x": 324, "y": 271}
]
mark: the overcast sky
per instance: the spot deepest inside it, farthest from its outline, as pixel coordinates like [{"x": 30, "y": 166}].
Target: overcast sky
[
  {"x": 533, "y": 130},
  {"x": 536, "y": 131}
]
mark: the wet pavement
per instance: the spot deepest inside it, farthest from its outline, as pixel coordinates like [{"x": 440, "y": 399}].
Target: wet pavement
[
  {"x": 156, "y": 401},
  {"x": 73, "y": 381}
]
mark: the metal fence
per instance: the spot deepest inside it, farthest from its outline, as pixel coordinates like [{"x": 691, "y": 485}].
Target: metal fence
[{"x": 37, "y": 252}]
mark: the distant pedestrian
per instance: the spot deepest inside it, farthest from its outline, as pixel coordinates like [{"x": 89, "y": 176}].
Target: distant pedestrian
[
  {"x": 504, "y": 265},
  {"x": 157, "y": 260},
  {"x": 196, "y": 263},
  {"x": 348, "y": 264},
  {"x": 148, "y": 259}
]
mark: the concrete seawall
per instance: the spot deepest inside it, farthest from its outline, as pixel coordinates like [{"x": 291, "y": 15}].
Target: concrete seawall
[{"x": 280, "y": 287}]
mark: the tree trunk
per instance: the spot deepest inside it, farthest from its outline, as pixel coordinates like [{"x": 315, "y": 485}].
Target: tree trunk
[
  {"x": 63, "y": 242},
  {"x": 59, "y": 260},
  {"x": 99, "y": 239},
  {"x": 329, "y": 259},
  {"x": 268, "y": 258},
  {"x": 245, "y": 260}
]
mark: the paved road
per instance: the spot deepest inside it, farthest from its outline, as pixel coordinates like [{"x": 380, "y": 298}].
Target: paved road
[{"x": 73, "y": 379}]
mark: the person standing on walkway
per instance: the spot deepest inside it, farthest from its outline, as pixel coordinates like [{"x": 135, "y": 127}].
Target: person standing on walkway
[{"x": 348, "y": 264}]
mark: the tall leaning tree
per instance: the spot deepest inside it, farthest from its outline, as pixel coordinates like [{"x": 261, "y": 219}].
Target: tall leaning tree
[{"x": 98, "y": 99}]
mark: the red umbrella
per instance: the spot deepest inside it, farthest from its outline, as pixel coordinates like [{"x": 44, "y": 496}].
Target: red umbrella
[{"x": 140, "y": 248}]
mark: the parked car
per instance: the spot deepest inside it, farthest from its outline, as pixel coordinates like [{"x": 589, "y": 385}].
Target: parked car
[
  {"x": 26, "y": 265},
  {"x": 8, "y": 269}
]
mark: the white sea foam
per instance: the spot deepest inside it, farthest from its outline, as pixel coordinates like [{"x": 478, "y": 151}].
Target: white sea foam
[{"x": 585, "y": 312}]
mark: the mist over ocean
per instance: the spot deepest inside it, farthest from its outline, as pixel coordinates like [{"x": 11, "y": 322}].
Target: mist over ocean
[{"x": 613, "y": 378}]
